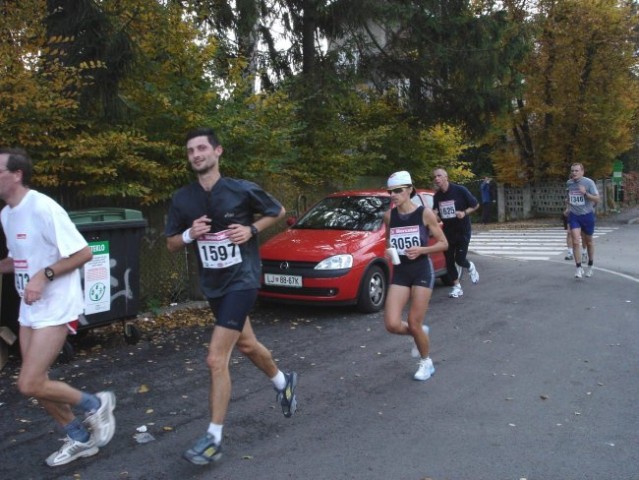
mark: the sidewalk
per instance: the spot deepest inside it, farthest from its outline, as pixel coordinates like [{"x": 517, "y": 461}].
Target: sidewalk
[{"x": 628, "y": 215}]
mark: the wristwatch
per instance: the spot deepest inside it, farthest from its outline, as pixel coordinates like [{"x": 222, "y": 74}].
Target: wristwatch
[
  {"x": 254, "y": 230},
  {"x": 49, "y": 273}
]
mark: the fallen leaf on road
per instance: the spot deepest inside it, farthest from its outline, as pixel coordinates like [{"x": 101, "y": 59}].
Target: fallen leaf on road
[{"x": 143, "y": 389}]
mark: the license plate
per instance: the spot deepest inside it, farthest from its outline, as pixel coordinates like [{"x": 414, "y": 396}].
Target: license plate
[{"x": 294, "y": 281}]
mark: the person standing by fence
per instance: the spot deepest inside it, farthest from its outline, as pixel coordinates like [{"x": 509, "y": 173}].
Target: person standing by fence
[{"x": 487, "y": 199}]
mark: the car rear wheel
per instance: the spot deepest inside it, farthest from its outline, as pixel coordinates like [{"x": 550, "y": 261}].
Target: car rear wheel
[
  {"x": 446, "y": 280},
  {"x": 372, "y": 294}
]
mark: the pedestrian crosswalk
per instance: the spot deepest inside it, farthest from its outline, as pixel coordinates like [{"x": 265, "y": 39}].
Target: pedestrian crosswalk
[{"x": 525, "y": 244}]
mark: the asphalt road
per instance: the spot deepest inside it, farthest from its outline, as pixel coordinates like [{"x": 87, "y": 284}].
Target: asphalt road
[{"x": 536, "y": 379}]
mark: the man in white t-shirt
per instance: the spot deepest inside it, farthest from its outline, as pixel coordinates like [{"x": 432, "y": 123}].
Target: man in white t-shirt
[{"x": 45, "y": 254}]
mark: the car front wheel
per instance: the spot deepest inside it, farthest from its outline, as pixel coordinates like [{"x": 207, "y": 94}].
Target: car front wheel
[{"x": 372, "y": 294}]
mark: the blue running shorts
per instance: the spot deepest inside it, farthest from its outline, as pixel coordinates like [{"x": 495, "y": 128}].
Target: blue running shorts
[{"x": 585, "y": 222}]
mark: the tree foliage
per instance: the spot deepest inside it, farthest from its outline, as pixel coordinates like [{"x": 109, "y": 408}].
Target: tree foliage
[
  {"x": 451, "y": 59},
  {"x": 101, "y": 93},
  {"x": 38, "y": 100},
  {"x": 82, "y": 35},
  {"x": 53, "y": 87},
  {"x": 581, "y": 94}
]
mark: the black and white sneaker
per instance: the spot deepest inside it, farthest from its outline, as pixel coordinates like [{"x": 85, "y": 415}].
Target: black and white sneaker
[{"x": 474, "y": 274}]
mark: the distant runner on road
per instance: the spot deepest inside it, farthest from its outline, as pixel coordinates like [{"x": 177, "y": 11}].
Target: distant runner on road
[
  {"x": 454, "y": 203},
  {"x": 582, "y": 198}
]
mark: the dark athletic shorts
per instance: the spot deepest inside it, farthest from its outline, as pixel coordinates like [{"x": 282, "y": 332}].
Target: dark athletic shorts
[
  {"x": 415, "y": 274},
  {"x": 231, "y": 310},
  {"x": 585, "y": 222}
]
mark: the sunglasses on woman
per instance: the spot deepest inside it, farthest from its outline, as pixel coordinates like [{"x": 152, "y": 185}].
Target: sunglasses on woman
[{"x": 396, "y": 190}]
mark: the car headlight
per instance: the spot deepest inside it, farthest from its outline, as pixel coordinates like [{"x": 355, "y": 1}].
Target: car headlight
[{"x": 335, "y": 263}]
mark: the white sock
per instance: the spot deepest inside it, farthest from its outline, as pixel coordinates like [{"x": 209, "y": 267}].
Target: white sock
[
  {"x": 279, "y": 380},
  {"x": 216, "y": 431}
]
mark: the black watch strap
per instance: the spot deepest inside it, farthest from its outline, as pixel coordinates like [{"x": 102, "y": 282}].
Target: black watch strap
[
  {"x": 49, "y": 273},
  {"x": 254, "y": 230}
]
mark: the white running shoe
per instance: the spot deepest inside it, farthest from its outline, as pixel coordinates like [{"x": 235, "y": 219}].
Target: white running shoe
[
  {"x": 456, "y": 291},
  {"x": 102, "y": 422},
  {"x": 414, "y": 352},
  {"x": 71, "y": 450},
  {"x": 589, "y": 271},
  {"x": 425, "y": 370},
  {"x": 579, "y": 273},
  {"x": 474, "y": 274}
]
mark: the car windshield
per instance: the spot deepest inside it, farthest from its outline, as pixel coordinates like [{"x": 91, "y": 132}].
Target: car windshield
[{"x": 363, "y": 213}]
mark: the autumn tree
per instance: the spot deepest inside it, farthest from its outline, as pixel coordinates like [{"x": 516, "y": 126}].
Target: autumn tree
[
  {"x": 38, "y": 100},
  {"x": 580, "y": 95}
]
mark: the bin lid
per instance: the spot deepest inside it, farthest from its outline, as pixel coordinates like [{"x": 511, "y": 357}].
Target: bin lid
[{"x": 99, "y": 217}]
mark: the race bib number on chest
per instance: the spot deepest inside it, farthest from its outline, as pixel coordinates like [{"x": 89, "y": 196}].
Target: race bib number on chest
[
  {"x": 447, "y": 209},
  {"x": 577, "y": 198},
  {"x": 217, "y": 251},
  {"x": 402, "y": 238},
  {"x": 20, "y": 275}
]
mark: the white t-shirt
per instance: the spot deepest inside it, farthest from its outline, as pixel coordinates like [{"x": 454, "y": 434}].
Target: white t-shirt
[{"x": 39, "y": 232}]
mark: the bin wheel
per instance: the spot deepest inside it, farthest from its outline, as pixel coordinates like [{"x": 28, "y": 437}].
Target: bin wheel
[
  {"x": 67, "y": 353},
  {"x": 131, "y": 334}
]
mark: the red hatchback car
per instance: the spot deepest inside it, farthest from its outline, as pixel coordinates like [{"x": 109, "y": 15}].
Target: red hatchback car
[{"x": 334, "y": 253}]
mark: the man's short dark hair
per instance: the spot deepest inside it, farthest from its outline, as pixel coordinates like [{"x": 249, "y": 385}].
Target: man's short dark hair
[
  {"x": 203, "y": 132},
  {"x": 19, "y": 159}
]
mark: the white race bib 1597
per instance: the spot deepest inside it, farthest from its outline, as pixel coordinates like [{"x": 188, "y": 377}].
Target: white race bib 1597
[{"x": 217, "y": 251}]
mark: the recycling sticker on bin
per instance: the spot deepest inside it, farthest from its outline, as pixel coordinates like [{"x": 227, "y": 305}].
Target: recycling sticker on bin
[{"x": 97, "y": 279}]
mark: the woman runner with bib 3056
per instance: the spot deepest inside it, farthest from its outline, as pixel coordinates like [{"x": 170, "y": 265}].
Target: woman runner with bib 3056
[{"x": 408, "y": 228}]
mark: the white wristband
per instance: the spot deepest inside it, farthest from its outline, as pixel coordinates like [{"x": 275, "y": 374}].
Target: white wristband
[{"x": 186, "y": 238}]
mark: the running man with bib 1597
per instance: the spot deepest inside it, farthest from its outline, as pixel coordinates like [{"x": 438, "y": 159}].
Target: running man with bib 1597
[{"x": 217, "y": 215}]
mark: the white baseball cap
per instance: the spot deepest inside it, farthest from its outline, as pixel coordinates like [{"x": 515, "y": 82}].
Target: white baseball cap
[{"x": 399, "y": 179}]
